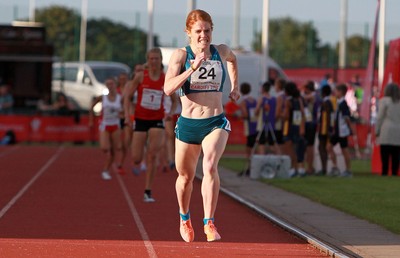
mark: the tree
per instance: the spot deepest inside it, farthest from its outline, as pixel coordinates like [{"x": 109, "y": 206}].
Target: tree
[
  {"x": 357, "y": 51},
  {"x": 106, "y": 40},
  {"x": 62, "y": 30},
  {"x": 291, "y": 43}
]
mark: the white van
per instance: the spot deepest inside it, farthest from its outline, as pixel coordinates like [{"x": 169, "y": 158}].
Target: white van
[
  {"x": 250, "y": 70},
  {"x": 83, "y": 82}
]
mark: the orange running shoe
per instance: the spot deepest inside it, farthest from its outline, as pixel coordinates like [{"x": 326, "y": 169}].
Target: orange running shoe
[
  {"x": 186, "y": 229},
  {"x": 211, "y": 231}
]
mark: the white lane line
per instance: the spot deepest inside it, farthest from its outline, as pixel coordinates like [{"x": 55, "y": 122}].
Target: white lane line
[
  {"x": 33, "y": 179},
  {"x": 10, "y": 150},
  {"x": 138, "y": 221}
]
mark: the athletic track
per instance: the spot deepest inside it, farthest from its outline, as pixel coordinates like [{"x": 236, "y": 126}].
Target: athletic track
[{"x": 53, "y": 203}]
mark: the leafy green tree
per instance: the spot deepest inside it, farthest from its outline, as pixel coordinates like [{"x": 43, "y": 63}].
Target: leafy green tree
[
  {"x": 62, "y": 30},
  {"x": 291, "y": 43},
  {"x": 357, "y": 51},
  {"x": 106, "y": 40}
]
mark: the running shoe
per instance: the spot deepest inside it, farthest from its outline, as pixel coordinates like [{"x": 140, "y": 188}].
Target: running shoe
[
  {"x": 106, "y": 175},
  {"x": 334, "y": 172},
  {"x": 346, "y": 173},
  {"x": 136, "y": 171},
  {"x": 171, "y": 165},
  {"x": 148, "y": 198},
  {"x": 302, "y": 172},
  {"x": 121, "y": 171},
  {"x": 211, "y": 231},
  {"x": 186, "y": 230},
  {"x": 143, "y": 167},
  {"x": 320, "y": 173},
  {"x": 292, "y": 173}
]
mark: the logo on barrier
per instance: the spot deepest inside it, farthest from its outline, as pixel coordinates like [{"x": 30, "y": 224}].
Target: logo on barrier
[
  {"x": 269, "y": 171},
  {"x": 35, "y": 124}
]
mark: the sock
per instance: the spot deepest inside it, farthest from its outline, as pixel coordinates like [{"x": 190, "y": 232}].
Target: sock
[
  {"x": 205, "y": 221},
  {"x": 186, "y": 216},
  {"x": 148, "y": 192}
]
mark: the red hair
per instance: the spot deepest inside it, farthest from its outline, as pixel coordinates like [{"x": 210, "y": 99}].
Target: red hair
[{"x": 197, "y": 15}]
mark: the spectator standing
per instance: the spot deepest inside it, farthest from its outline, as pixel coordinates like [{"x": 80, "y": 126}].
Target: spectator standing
[
  {"x": 294, "y": 129},
  {"x": 279, "y": 112},
  {"x": 325, "y": 127},
  {"x": 265, "y": 111},
  {"x": 387, "y": 128},
  {"x": 6, "y": 100},
  {"x": 341, "y": 131},
  {"x": 248, "y": 113},
  {"x": 312, "y": 105}
]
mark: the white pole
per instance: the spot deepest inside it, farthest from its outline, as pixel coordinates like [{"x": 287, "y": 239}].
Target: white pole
[
  {"x": 381, "y": 53},
  {"x": 150, "y": 12},
  {"x": 343, "y": 33},
  {"x": 264, "y": 40},
  {"x": 236, "y": 24},
  {"x": 32, "y": 10},
  {"x": 82, "y": 44},
  {"x": 191, "y": 5}
]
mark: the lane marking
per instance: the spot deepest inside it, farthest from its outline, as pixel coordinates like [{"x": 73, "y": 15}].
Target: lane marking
[
  {"x": 30, "y": 183},
  {"x": 138, "y": 221},
  {"x": 331, "y": 251}
]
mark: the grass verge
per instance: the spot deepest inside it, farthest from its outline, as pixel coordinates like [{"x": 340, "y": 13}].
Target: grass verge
[{"x": 366, "y": 196}]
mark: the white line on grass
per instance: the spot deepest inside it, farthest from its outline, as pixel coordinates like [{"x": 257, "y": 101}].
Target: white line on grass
[
  {"x": 138, "y": 221},
  {"x": 30, "y": 183}
]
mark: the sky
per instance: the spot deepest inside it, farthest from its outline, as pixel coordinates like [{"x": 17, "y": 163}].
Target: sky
[{"x": 169, "y": 16}]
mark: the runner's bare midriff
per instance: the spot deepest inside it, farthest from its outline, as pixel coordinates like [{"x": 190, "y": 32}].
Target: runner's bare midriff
[{"x": 202, "y": 105}]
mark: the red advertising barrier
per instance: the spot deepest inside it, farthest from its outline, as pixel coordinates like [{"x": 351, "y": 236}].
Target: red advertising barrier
[
  {"x": 48, "y": 128},
  {"x": 301, "y": 75}
]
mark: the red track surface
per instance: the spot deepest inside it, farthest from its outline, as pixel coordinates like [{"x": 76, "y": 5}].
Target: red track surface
[{"x": 53, "y": 203}]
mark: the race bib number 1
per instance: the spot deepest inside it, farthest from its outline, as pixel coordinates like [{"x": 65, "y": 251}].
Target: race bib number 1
[{"x": 151, "y": 99}]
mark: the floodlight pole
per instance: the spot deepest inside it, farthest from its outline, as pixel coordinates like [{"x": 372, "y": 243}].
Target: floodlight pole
[
  {"x": 32, "y": 10},
  {"x": 343, "y": 33},
  {"x": 264, "y": 40},
  {"x": 381, "y": 53},
  {"x": 236, "y": 24},
  {"x": 191, "y": 5},
  {"x": 150, "y": 12},
  {"x": 82, "y": 44}
]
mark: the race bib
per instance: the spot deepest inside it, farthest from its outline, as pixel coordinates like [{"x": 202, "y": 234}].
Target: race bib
[
  {"x": 296, "y": 117},
  {"x": 308, "y": 115},
  {"x": 151, "y": 99},
  {"x": 208, "y": 77}
]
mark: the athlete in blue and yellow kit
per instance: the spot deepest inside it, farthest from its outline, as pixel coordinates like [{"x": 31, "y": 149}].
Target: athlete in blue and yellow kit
[{"x": 198, "y": 73}]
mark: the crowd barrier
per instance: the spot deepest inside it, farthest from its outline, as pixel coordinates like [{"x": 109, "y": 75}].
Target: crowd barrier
[
  {"x": 69, "y": 129},
  {"x": 48, "y": 128}
]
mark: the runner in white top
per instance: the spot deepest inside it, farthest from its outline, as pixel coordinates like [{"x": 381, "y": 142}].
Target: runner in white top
[{"x": 110, "y": 129}]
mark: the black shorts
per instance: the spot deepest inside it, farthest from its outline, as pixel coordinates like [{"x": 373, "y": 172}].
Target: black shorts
[
  {"x": 122, "y": 122},
  {"x": 311, "y": 131},
  {"x": 335, "y": 139},
  {"x": 251, "y": 140},
  {"x": 279, "y": 136},
  {"x": 266, "y": 138},
  {"x": 145, "y": 125}
]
